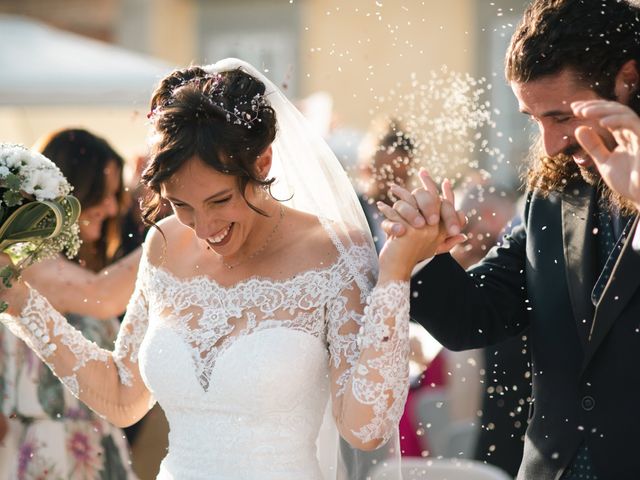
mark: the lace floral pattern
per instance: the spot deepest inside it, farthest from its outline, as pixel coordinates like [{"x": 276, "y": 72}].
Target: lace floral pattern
[
  {"x": 40, "y": 323},
  {"x": 210, "y": 318},
  {"x": 203, "y": 312},
  {"x": 132, "y": 330},
  {"x": 382, "y": 376}
]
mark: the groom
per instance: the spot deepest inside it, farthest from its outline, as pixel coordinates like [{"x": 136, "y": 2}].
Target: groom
[{"x": 568, "y": 272}]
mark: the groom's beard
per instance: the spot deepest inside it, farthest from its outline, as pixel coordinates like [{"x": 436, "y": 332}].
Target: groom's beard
[
  {"x": 613, "y": 200},
  {"x": 617, "y": 201}
]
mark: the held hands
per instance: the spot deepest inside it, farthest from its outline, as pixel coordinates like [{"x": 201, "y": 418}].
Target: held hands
[
  {"x": 620, "y": 167},
  {"x": 421, "y": 224}
]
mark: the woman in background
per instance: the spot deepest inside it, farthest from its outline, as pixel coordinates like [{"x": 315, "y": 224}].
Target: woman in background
[{"x": 55, "y": 435}]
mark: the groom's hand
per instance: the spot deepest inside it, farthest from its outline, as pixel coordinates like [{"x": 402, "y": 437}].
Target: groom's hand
[
  {"x": 619, "y": 167},
  {"x": 426, "y": 206}
]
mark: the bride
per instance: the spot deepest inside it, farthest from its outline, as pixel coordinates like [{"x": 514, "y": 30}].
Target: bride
[{"x": 257, "y": 305}]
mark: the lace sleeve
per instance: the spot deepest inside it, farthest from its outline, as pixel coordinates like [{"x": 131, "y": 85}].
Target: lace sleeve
[
  {"x": 108, "y": 382},
  {"x": 368, "y": 334}
]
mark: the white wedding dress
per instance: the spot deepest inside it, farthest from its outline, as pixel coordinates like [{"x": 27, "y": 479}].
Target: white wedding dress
[{"x": 244, "y": 373}]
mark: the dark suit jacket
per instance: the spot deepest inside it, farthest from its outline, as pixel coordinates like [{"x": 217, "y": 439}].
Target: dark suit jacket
[
  {"x": 505, "y": 392},
  {"x": 586, "y": 359}
]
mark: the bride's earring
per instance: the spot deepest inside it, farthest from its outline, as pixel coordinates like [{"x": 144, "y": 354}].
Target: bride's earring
[{"x": 265, "y": 187}]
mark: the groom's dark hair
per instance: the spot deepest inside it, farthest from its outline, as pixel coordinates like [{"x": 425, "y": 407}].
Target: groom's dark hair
[{"x": 592, "y": 38}]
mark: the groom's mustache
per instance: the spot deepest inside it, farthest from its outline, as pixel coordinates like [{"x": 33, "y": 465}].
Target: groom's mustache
[{"x": 571, "y": 150}]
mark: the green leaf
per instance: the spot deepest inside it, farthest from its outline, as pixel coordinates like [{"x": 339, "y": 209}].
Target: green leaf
[
  {"x": 25, "y": 223},
  {"x": 72, "y": 204},
  {"x": 11, "y": 198},
  {"x": 6, "y": 274},
  {"x": 13, "y": 182}
]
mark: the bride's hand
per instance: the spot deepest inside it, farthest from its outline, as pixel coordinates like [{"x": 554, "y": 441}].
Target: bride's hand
[
  {"x": 409, "y": 243},
  {"x": 400, "y": 254},
  {"x": 15, "y": 295},
  {"x": 427, "y": 205}
]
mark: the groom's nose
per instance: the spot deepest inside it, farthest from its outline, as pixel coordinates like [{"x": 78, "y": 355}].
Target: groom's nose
[{"x": 555, "y": 139}]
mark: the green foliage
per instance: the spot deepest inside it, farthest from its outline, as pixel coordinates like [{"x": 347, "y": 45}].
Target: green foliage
[
  {"x": 38, "y": 221},
  {"x": 11, "y": 198}
]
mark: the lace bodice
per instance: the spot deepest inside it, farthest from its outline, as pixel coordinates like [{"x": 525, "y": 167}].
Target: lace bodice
[
  {"x": 244, "y": 372},
  {"x": 210, "y": 318}
]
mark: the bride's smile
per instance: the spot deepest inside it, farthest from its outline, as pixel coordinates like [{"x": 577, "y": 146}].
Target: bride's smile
[
  {"x": 220, "y": 237},
  {"x": 209, "y": 202}
]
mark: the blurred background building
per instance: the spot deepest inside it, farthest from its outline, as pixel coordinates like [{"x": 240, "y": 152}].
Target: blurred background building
[{"x": 357, "y": 52}]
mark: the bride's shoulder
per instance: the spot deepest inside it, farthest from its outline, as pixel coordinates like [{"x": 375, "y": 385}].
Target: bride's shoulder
[
  {"x": 307, "y": 229},
  {"x": 169, "y": 235},
  {"x": 321, "y": 234}
]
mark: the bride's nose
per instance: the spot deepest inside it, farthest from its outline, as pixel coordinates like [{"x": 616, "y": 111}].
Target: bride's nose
[{"x": 203, "y": 226}]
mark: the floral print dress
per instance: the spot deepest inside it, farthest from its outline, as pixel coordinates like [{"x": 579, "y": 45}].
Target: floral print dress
[{"x": 52, "y": 435}]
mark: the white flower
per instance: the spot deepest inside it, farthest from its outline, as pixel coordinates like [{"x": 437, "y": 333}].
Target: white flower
[
  {"x": 24, "y": 157},
  {"x": 11, "y": 160},
  {"x": 49, "y": 188},
  {"x": 38, "y": 176}
]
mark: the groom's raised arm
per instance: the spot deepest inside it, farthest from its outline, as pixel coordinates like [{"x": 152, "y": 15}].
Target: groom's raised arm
[
  {"x": 462, "y": 310},
  {"x": 482, "y": 306}
]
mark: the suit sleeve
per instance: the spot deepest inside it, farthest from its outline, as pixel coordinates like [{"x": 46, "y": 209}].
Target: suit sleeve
[{"x": 483, "y": 306}]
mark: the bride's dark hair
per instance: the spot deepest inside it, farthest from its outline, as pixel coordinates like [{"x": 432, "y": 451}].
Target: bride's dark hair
[{"x": 222, "y": 118}]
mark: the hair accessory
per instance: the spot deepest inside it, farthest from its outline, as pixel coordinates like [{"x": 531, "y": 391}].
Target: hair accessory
[{"x": 245, "y": 118}]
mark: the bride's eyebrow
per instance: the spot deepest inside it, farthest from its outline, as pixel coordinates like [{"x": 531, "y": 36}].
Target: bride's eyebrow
[{"x": 212, "y": 197}]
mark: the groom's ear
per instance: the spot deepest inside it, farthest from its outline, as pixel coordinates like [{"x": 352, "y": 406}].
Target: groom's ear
[
  {"x": 263, "y": 163},
  {"x": 627, "y": 82}
]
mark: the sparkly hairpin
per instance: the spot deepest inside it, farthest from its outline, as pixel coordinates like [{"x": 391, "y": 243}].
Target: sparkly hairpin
[
  {"x": 237, "y": 117},
  {"x": 246, "y": 118}
]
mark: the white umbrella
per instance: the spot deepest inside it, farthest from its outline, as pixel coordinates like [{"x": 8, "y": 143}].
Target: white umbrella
[{"x": 41, "y": 65}]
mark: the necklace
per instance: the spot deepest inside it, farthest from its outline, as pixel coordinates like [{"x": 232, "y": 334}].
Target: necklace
[{"x": 231, "y": 266}]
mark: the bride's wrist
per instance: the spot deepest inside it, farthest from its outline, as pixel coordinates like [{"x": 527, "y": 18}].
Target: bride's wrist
[
  {"x": 397, "y": 273},
  {"x": 15, "y": 297}
]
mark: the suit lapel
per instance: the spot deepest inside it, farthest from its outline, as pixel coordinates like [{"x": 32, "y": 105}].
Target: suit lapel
[
  {"x": 580, "y": 252},
  {"x": 624, "y": 281}
]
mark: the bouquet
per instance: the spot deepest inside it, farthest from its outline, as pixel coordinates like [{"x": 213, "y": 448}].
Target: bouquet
[{"x": 38, "y": 214}]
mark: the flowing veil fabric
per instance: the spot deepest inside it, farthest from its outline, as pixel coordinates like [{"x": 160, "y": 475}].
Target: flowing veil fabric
[
  {"x": 304, "y": 166},
  {"x": 310, "y": 178}
]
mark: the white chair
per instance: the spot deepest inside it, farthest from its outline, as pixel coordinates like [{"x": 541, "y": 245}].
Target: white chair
[
  {"x": 413, "y": 468},
  {"x": 432, "y": 414},
  {"x": 461, "y": 438}
]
